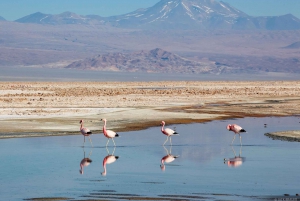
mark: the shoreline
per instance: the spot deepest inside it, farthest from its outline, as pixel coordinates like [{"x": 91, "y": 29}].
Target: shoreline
[{"x": 55, "y": 108}]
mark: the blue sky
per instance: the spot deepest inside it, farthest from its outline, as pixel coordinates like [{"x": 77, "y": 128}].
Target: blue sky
[{"x": 15, "y": 9}]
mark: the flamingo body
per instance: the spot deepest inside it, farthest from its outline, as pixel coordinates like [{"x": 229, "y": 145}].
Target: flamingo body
[{"x": 237, "y": 130}]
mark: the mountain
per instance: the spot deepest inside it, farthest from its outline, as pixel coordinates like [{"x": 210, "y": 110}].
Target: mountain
[
  {"x": 177, "y": 14},
  {"x": 156, "y": 60},
  {"x": 200, "y": 14},
  {"x": 63, "y": 18},
  {"x": 182, "y": 14},
  {"x": 295, "y": 45},
  {"x": 2, "y": 19}
]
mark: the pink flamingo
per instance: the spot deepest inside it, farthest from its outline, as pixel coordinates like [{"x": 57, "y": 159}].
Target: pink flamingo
[
  {"x": 85, "y": 132},
  {"x": 85, "y": 162},
  {"x": 167, "y": 159},
  {"x": 237, "y": 130},
  {"x": 110, "y": 158},
  {"x": 109, "y": 133},
  {"x": 168, "y": 132}
]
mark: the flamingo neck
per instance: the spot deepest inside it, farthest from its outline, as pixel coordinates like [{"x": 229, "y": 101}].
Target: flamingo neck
[
  {"x": 104, "y": 128},
  {"x": 81, "y": 125},
  {"x": 162, "y": 127}
]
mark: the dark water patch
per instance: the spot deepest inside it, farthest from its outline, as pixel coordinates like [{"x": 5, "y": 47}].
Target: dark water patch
[
  {"x": 106, "y": 191},
  {"x": 186, "y": 196},
  {"x": 49, "y": 199},
  {"x": 112, "y": 194},
  {"x": 113, "y": 197},
  {"x": 153, "y": 182}
]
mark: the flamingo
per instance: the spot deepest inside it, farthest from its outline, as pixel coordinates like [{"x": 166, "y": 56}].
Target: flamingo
[
  {"x": 168, "y": 132},
  {"x": 167, "y": 159},
  {"x": 85, "y": 132},
  {"x": 85, "y": 162},
  {"x": 109, "y": 133},
  {"x": 110, "y": 158},
  {"x": 237, "y": 130}
]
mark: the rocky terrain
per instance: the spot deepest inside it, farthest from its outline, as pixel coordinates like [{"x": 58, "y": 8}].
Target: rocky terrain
[{"x": 156, "y": 60}]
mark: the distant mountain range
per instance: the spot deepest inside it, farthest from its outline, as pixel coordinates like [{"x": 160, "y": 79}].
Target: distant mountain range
[
  {"x": 2, "y": 19},
  {"x": 156, "y": 60},
  {"x": 176, "y": 14},
  {"x": 295, "y": 45}
]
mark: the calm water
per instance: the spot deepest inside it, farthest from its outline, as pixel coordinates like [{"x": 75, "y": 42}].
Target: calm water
[
  {"x": 48, "y": 74},
  {"x": 49, "y": 166}
]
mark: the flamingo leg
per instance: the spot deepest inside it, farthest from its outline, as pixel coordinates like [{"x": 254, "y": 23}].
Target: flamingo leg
[
  {"x": 233, "y": 139},
  {"x": 113, "y": 141},
  {"x": 170, "y": 141},
  {"x": 166, "y": 140},
  {"x": 240, "y": 139},
  {"x": 91, "y": 141},
  {"x": 107, "y": 141},
  {"x": 83, "y": 140}
]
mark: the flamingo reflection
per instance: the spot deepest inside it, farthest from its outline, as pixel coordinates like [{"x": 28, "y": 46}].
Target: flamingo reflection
[
  {"x": 167, "y": 158},
  {"x": 85, "y": 161},
  {"x": 236, "y": 161},
  {"x": 110, "y": 158}
]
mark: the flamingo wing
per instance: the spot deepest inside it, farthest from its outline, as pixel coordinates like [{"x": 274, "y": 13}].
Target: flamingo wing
[
  {"x": 169, "y": 131},
  {"x": 111, "y": 133},
  {"x": 236, "y": 128},
  {"x": 85, "y": 131}
]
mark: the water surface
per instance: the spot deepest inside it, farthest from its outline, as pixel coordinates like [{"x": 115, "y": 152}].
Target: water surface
[{"x": 49, "y": 166}]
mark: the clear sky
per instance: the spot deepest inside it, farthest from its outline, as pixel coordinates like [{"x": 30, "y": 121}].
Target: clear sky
[{"x": 15, "y": 9}]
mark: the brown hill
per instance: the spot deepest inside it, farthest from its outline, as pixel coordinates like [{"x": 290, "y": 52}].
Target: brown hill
[{"x": 156, "y": 60}]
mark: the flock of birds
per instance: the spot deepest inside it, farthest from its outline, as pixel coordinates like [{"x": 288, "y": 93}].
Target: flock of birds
[
  {"x": 109, "y": 134},
  {"x": 110, "y": 158}
]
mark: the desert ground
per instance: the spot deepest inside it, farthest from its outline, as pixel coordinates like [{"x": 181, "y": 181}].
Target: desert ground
[{"x": 55, "y": 108}]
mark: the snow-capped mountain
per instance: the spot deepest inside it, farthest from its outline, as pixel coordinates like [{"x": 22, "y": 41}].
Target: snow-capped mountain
[
  {"x": 176, "y": 14},
  {"x": 200, "y": 14},
  {"x": 182, "y": 14}
]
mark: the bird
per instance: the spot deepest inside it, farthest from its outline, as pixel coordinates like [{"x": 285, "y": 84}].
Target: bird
[
  {"x": 168, "y": 132},
  {"x": 110, "y": 158},
  {"x": 85, "y": 162},
  {"x": 237, "y": 130},
  {"x": 167, "y": 159},
  {"x": 109, "y": 133},
  {"x": 85, "y": 132}
]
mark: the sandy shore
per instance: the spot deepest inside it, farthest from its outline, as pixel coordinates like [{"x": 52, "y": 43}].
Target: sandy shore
[
  {"x": 285, "y": 135},
  {"x": 55, "y": 108}
]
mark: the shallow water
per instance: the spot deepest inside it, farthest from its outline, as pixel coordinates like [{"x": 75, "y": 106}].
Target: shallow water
[
  {"x": 58, "y": 74},
  {"x": 49, "y": 166}
]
